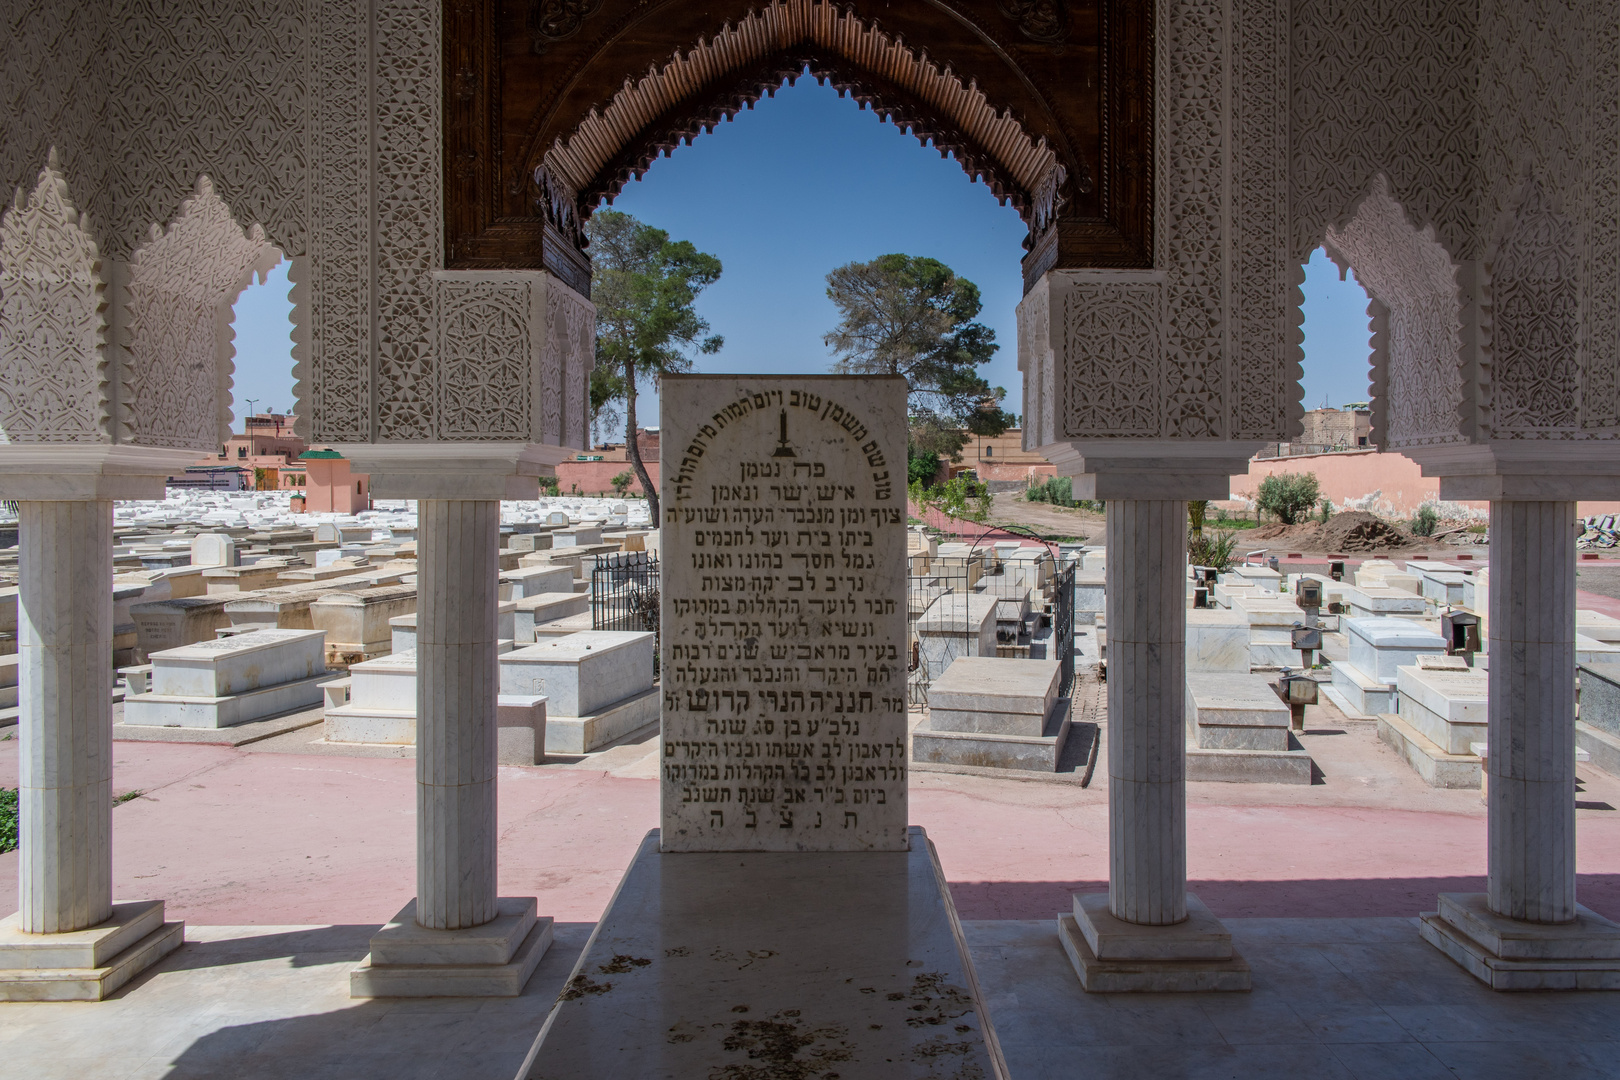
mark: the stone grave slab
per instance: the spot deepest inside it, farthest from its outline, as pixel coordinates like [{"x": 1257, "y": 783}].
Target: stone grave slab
[
  {"x": 1448, "y": 708},
  {"x": 537, "y": 610},
  {"x": 231, "y": 680},
  {"x": 995, "y": 713},
  {"x": 706, "y": 962},
  {"x": 1217, "y": 640}
]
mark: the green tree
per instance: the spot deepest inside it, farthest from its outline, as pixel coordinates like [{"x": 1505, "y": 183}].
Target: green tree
[
  {"x": 1288, "y": 495},
  {"x": 921, "y": 466},
  {"x": 914, "y": 317},
  {"x": 644, "y": 285},
  {"x": 1425, "y": 521},
  {"x": 621, "y": 483}
]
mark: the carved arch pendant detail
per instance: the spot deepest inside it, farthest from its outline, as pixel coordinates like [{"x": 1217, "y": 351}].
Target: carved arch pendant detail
[
  {"x": 53, "y": 363},
  {"x": 177, "y": 321},
  {"x": 1416, "y": 321}
]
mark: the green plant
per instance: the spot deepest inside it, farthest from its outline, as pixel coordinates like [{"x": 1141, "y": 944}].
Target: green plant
[
  {"x": 622, "y": 482},
  {"x": 8, "y": 819},
  {"x": 957, "y": 497},
  {"x": 1211, "y": 550},
  {"x": 126, "y": 797},
  {"x": 550, "y": 485},
  {"x": 1057, "y": 490},
  {"x": 1196, "y": 509},
  {"x": 921, "y": 466},
  {"x": 1288, "y": 495},
  {"x": 1424, "y": 521},
  {"x": 1325, "y": 511}
]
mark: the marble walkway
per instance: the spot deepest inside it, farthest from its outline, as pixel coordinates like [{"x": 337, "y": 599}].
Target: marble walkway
[{"x": 1333, "y": 998}]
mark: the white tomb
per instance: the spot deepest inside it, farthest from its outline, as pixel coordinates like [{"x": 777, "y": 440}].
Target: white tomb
[
  {"x": 1368, "y": 601},
  {"x": 956, "y": 624},
  {"x": 378, "y": 707},
  {"x": 549, "y": 607},
  {"x": 231, "y": 680},
  {"x": 995, "y": 713},
  {"x": 1441, "y": 715},
  {"x": 1271, "y": 629},
  {"x": 1217, "y": 640},
  {"x": 213, "y": 549},
  {"x": 598, "y": 685},
  {"x": 1237, "y": 732},
  {"x": 1365, "y": 685},
  {"x": 533, "y": 580}
]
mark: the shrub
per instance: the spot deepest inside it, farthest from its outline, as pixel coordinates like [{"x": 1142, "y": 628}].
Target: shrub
[
  {"x": 958, "y": 497},
  {"x": 921, "y": 467},
  {"x": 1325, "y": 511},
  {"x": 550, "y": 485},
  {"x": 1424, "y": 521},
  {"x": 8, "y": 819},
  {"x": 1057, "y": 490},
  {"x": 1288, "y": 495},
  {"x": 622, "y": 482},
  {"x": 1216, "y": 550}
]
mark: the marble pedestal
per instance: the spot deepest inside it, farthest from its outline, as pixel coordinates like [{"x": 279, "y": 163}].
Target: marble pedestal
[
  {"x": 89, "y": 964},
  {"x": 1509, "y": 954},
  {"x": 1114, "y": 956},
  {"x": 492, "y": 960},
  {"x": 705, "y": 963}
]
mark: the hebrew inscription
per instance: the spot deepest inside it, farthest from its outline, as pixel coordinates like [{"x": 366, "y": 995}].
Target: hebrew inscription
[{"x": 783, "y": 621}]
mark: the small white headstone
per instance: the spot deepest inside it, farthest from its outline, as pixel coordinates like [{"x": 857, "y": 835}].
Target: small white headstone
[
  {"x": 556, "y": 517},
  {"x": 213, "y": 549},
  {"x": 328, "y": 533}
]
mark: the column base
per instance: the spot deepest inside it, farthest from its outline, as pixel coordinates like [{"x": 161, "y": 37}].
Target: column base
[
  {"x": 493, "y": 960},
  {"x": 85, "y": 965},
  {"x": 1507, "y": 954},
  {"x": 1113, "y": 956}
]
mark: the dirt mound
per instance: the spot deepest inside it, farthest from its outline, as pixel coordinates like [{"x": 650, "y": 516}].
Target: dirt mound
[{"x": 1349, "y": 531}]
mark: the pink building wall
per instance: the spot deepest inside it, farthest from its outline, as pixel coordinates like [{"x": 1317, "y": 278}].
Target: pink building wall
[{"x": 1387, "y": 484}]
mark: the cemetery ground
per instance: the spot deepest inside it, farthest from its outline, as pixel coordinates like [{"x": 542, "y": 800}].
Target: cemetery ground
[{"x": 283, "y": 855}]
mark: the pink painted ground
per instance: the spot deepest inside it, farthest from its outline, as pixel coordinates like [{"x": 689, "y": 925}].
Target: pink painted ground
[{"x": 241, "y": 837}]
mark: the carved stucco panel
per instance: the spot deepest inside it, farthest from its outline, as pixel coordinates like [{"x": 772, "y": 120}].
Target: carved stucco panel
[
  {"x": 53, "y": 363},
  {"x": 1384, "y": 87},
  {"x": 1417, "y": 321},
  {"x": 207, "y": 86},
  {"x": 1536, "y": 322},
  {"x": 1109, "y": 348},
  {"x": 514, "y": 350},
  {"x": 1195, "y": 82},
  {"x": 341, "y": 381},
  {"x": 408, "y": 203},
  {"x": 489, "y": 335},
  {"x": 1550, "y": 95},
  {"x": 175, "y": 328},
  {"x": 1035, "y": 361}
]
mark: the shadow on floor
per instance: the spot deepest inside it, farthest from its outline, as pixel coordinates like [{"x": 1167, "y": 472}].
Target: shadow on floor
[
  {"x": 1312, "y": 898},
  {"x": 334, "y": 1036}
]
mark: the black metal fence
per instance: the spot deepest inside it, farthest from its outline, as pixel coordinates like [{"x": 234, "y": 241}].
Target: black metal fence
[
  {"x": 1063, "y": 624},
  {"x": 625, "y": 592}
]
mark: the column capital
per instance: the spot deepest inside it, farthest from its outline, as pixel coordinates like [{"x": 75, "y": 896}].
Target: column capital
[
  {"x": 1182, "y": 469},
  {"x": 87, "y": 472},
  {"x": 1523, "y": 471},
  {"x": 454, "y": 470}
]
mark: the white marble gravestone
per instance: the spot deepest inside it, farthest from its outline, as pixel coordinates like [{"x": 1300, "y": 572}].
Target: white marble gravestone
[
  {"x": 784, "y": 541},
  {"x": 213, "y": 549},
  {"x": 784, "y": 837}
]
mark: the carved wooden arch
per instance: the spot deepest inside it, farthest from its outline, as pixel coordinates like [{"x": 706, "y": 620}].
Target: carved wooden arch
[{"x": 552, "y": 105}]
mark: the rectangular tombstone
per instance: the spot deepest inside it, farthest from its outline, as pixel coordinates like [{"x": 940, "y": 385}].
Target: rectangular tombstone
[
  {"x": 784, "y": 613},
  {"x": 238, "y": 664},
  {"x": 583, "y": 673},
  {"x": 213, "y": 549},
  {"x": 1380, "y": 645}
]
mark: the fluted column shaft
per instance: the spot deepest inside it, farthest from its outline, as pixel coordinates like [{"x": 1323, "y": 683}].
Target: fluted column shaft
[
  {"x": 1147, "y": 773},
  {"x": 456, "y": 688},
  {"x": 65, "y": 691},
  {"x": 1532, "y": 711}
]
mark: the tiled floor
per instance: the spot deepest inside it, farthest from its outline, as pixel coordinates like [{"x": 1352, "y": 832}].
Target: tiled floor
[{"x": 1332, "y": 998}]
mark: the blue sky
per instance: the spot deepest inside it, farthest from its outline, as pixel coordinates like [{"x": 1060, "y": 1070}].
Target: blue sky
[{"x": 805, "y": 182}]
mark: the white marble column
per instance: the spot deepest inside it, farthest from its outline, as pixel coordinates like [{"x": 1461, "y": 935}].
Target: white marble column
[
  {"x": 457, "y": 681},
  {"x": 1147, "y": 791},
  {"x": 65, "y": 690},
  {"x": 1532, "y": 711}
]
